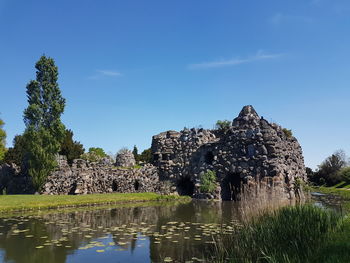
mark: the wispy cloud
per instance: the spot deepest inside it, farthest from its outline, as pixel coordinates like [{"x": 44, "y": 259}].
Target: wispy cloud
[
  {"x": 105, "y": 73},
  {"x": 280, "y": 18},
  {"x": 111, "y": 73},
  {"x": 260, "y": 55}
]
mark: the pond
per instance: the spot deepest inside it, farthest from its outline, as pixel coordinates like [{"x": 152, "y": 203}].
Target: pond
[{"x": 147, "y": 232}]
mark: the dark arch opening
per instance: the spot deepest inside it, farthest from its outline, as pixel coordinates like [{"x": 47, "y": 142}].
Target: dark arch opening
[
  {"x": 114, "y": 186},
  {"x": 185, "y": 186},
  {"x": 231, "y": 187},
  {"x": 136, "y": 185},
  {"x": 209, "y": 158},
  {"x": 72, "y": 190}
]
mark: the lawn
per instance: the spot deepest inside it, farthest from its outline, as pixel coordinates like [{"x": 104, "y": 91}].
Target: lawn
[{"x": 37, "y": 202}]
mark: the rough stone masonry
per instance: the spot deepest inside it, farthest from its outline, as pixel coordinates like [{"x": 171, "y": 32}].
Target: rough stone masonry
[{"x": 253, "y": 157}]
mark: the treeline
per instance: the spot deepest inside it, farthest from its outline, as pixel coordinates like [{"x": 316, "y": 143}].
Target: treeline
[
  {"x": 333, "y": 170},
  {"x": 45, "y": 135}
]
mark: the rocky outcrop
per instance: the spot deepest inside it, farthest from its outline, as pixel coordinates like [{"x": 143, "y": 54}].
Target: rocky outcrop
[{"x": 251, "y": 157}]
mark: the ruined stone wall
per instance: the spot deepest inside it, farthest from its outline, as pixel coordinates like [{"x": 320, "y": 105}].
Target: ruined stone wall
[
  {"x": 88, "y": 178},
  {"x": 84, "y": 177},
  {"x": 252, "y": 156}
]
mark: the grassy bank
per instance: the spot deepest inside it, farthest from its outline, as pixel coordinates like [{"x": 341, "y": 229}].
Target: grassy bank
[
  {"x": 35, "y": 202},
  {"x": 342, "y": 190},
  {"x": 291, "y": 234}
]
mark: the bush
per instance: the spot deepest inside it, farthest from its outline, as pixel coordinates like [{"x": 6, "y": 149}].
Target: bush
[
  {"x": 223, "y": 126},
  {"x": 208, "y": 182},
  {"x": 287, "y": 132},
  {"x": 345, "y": 174}
]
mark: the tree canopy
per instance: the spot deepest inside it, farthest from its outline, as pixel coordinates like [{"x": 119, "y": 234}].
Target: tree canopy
[
  {"x": 70, "y": 148},
  {"x": 44, "y": 130}
]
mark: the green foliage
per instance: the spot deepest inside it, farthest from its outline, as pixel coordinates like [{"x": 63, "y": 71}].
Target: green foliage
[
  {"x": 344, "y": 173},
  {"x": 42, "y": 147},
  {"x": 98, "y": 151},
  {"x": 2, "y": 141},
  {"x": 15, "y": 154},
  {"x": 44, "y": 129},
  {"x": 223, "y": 125},
  {"x": 208, "y": 182},
  {"x": 94, "y": 154},
  {"x": 291, "y": 234},
  {"x": 287, "y": 132},
  {"x": 328, "y": 170},
  {"x": 71, "y": 149},
  {"x": 145, "y": 156},
  {"x": 135, "y": 153}
]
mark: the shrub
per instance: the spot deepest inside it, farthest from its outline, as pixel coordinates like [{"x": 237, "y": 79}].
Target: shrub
[
  {"x": 345, "y": 174},
  {"x": 287, "y": 132},
  {"x": 223, "y": 126},
  {"x": 208, "y": 182}
]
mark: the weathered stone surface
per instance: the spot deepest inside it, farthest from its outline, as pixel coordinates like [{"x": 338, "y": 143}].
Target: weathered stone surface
[
  {"x": 252, "y": 155},
  {"x": 125, "y": 158},
  {"x": 253, "y": 158},
  {"x": 88, "y": 178}
]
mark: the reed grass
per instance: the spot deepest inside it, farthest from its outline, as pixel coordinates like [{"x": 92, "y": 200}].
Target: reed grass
[{"x": 290, "y": 234}]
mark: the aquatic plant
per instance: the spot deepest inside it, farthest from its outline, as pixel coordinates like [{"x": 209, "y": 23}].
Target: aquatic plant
[{"x": 290, "y": 234}]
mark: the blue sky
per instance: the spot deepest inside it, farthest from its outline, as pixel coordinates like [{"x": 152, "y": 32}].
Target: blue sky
[{"x": 131, "y": 69}]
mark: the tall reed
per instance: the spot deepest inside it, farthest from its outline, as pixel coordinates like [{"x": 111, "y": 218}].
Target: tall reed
[{"x": 290, "y": 234}]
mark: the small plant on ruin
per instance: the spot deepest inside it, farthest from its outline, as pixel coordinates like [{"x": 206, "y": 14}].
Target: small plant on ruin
[
  {"x": 287, "y": 132},
  {"x": 208, "y": 182},
  {"x": 223, "y": 126}
]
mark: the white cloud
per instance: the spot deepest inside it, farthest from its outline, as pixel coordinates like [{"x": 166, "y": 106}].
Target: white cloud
[
  {"x": 105, "y": 73},
  {"x": 110, "y": 73},
  {"x": 260, "y": 55}
]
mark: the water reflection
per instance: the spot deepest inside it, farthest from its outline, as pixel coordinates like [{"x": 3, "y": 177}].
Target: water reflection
[{"x": 173, "y": 232}]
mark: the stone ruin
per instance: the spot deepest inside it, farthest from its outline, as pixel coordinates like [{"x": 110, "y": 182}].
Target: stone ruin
[
  {"x": 250, "y": 159},
  {"x": 125, "y": 158},
  {"x": 85, "y": 177}
]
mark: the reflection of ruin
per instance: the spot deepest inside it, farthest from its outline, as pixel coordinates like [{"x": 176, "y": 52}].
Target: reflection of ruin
[
  {"x": 252, "y": 154},
  {"x": 122, "y": 225}
]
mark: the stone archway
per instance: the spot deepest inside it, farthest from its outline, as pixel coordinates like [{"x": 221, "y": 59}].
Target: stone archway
[
  {"x": 185, "y": 186},
  {"x": 231, "y": 187}
]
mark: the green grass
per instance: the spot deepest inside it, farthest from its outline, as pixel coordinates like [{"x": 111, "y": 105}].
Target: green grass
[
  {"x": 34, "y": 202},
  {"x": 341, "y": 189},
  {"x": 292, "y": 234}
]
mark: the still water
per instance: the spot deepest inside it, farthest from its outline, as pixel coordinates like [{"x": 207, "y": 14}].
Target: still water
[{"x": 148, "y": 232}]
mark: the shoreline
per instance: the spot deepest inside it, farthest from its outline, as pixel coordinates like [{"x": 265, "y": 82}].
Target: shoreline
[{"x": 21, "y": 203}]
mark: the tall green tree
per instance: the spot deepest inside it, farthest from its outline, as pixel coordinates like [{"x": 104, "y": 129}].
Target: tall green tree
[
  {"x": 135, "y": 153},
  {"x": 44, "y": 129},
  {"x": 70, "y": 148},
  {"x": 2, "y": 141}
]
